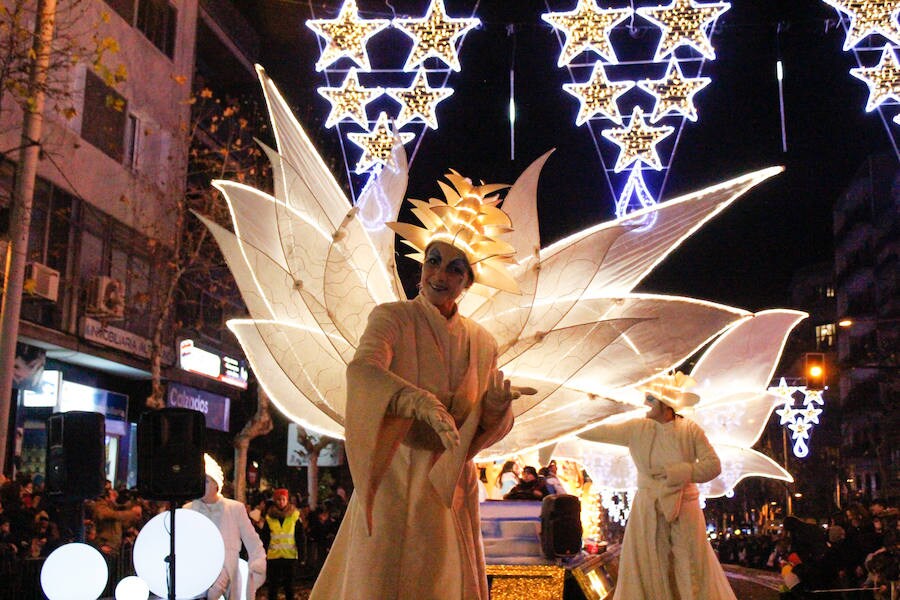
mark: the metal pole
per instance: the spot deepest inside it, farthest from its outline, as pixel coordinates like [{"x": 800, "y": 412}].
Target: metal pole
[
  {"x": 787, "y": 491},
  {"x": 20, "y": 218}
]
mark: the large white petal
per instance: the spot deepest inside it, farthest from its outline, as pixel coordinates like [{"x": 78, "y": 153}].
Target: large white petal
[
  {"x": 288, "y": 391},
  {"x": 355, "y": 279},
  {"x": 738, "y": 464},
  {"x": 319, "y": 197},
  {"x": 746, "y": 356},
  {"x": 637, "y": 252},
  {"x": 738, "y": 418}
]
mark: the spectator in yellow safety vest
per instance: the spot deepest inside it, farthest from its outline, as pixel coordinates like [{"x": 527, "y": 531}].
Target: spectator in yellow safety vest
[{"x": 282, "y": 534}]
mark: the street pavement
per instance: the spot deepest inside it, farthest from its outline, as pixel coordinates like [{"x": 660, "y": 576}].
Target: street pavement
[{"x": 748, "y": 584}]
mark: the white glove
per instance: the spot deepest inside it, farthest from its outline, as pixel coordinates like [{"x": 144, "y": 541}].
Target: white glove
[
  {"x": 501, "y": 392},
  {"x": 426, "y": 407}
]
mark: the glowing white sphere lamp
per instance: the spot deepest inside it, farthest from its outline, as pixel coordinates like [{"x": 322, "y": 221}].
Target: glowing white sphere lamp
[
  {"x": 133, "y": 588},
  {"x": 199, "y": 553},
  {"x": 74, "y": 572}
]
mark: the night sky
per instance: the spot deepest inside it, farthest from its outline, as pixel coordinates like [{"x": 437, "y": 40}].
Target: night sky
[{"x": 746, "y": 256}]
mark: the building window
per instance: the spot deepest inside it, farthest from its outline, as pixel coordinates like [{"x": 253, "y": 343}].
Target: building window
[
  {"x": 105, "y": 117},
  {"x": 156, "y": 20},
  {"x": 824, "y": 336},
  {"x": 125, "y": 8},
  {"x": 132, "y": 142}
]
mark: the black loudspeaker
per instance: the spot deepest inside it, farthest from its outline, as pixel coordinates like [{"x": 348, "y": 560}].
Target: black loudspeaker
[
  {"x": 171, "y": 442},
  {"x": 560, "y": 525},
  {"x": 76, "y": 455}
]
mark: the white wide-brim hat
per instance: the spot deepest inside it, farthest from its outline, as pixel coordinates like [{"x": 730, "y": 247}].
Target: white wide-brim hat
[{"x": 670, "y": 390}]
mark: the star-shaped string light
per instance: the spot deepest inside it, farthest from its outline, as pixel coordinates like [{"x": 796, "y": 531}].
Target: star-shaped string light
[
  {"x": 799, "y": 420},
  {"x": 435, "y": 35},
  {"x": 637, "y": 141},
  {"x": 674, "y": 93},
  {"x": 684, "y": 22},
  {"x": 349, "y": 100},
  {"x": 598, "y": 95},
  {"x": 377, "y": 144},
  {"x": 868, "y": 17},
  {"x": 586, "y": 27},
  {"x": 346, "y": 36},
  {"x": 883, "y": 79},
  {"x": 419, "y": 101}
]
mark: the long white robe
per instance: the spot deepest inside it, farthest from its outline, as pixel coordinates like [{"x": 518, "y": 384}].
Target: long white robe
[
  {"x": 412, "y": 528},
  {"x": 230, "y": 517},
  {"x": 666, "y": 554}
]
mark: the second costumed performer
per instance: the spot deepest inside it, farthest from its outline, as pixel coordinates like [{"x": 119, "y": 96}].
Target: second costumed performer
[
  {"x": 666, "y": 554},
  {"x": 424, "y": 395}
]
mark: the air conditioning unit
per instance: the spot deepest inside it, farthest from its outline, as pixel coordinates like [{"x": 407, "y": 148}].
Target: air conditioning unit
[
  {"x": 46, "y": 280},
  {"x": 106, "y": 298}
]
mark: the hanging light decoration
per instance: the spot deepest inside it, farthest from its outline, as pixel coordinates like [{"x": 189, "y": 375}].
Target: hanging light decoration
[
  {"x": 674, "y": 93},
  {"x": 346, "y": 36},
  {"x": 598, "y": 96},
  {"x": 872, "y": 33},
  {"x": 883, "y": 79},
  {"x": 419, "y": 101},
  {"x": 349, "y": 101},
  {"x": 637, "y": 141},
  {"x": 436, "y": 37},
  {"x": 684, "y": 23},
  {"x": 377, "y": 144},
  {"x": 799, "y": 419},
  {"x": 587, "y": 28}
]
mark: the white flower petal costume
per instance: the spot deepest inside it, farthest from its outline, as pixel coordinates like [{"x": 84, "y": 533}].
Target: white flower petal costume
[{"x": 312, "y": 268}]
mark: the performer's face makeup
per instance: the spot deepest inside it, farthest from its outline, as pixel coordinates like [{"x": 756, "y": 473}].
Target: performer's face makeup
[
  {"x": 445, "y": 275},
  {"x": 658, "y": 411}
]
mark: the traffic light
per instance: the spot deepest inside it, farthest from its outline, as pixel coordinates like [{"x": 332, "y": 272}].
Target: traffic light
[{"x": 815, "y": 371}]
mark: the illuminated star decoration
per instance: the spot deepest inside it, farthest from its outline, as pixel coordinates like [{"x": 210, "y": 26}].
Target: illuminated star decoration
[
  {"x": 586, "y": 27},
  {"x": 346, "y": 36},
  {"x": 377, "y": 144},
  {"x": 598, "y": 95},
  {"x": 637, "y": 141},
  {"x": 674, "y": 93},
  {"x": 435, "y": 35},
  {"x": 799, "y": 420},
  {"x": 419, "y": 101},
  {"x": 684, "y": 22},
  {"x": 868, "y": 17},
  {"x": 349, "y": 100},
  {"x": 883, "y": 79}
]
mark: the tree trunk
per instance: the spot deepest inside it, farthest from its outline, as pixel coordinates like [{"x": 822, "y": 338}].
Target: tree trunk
[
  {"x": 20, "y": 219},
  {"x": 312, "y": 477},
  {"x": 260, "y": 424}
]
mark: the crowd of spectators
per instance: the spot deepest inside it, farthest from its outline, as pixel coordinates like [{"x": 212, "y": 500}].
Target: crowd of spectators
[
  {"x": 529, "y": 484},
  {"x": 32, "y": 526},
  {"x": 855, "y": 556}
]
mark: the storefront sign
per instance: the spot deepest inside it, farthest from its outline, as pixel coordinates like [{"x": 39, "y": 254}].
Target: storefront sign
[
  {"x": 47, "y": 393},
  {"x": 114, "y": 406},
  {"x": 213, "y": 365},
  {"x": 216, "y": 408},
  {"x": 331, "y": 455},
  {"x": 101, "y": 333}
]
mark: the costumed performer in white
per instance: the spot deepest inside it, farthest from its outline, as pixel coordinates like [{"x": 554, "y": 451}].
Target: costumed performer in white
[
  {"x": 424, "y": 396},
  {"x": 665, "y": 554},
  {"x": 230, "y": 517}
]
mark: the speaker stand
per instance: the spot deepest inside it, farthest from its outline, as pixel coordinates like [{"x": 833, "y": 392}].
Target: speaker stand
[{"x": 171, "y": 558}]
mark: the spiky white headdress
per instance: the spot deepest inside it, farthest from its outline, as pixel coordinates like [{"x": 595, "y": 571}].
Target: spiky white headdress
[{"x": 470, "y": 221}]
